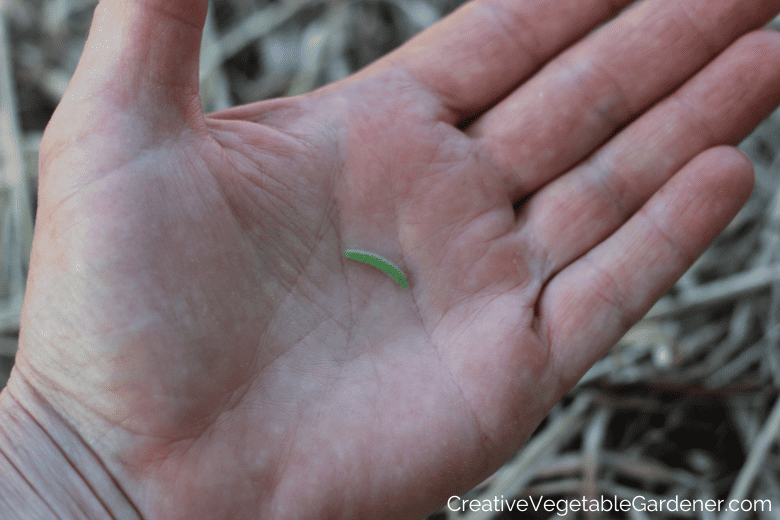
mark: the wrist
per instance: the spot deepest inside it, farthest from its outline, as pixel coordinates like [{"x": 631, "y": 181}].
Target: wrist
[{"x": 47, "y": 469}]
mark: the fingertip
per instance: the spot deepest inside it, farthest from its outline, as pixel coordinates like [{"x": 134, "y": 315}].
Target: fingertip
[{"x": 732, "y": 168}]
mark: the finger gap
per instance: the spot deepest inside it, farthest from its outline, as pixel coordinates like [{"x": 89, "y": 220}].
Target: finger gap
[{"x": 517, "y": 206}]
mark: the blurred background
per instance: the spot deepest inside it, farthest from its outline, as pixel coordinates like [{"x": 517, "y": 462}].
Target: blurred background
[{"x": 685, "y": 405}]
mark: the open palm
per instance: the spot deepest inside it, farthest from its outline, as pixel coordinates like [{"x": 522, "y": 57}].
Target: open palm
[{"x": 191, "y": 314}]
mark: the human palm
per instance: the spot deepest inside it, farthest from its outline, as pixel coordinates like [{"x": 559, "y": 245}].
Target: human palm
[{"x": 189, "y": 308}]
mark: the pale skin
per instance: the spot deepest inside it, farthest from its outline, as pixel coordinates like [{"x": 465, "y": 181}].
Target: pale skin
[{"x": 195, "y": 345}]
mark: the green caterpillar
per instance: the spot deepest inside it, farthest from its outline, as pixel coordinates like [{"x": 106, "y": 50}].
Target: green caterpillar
[{"x": 384, "y": 265}]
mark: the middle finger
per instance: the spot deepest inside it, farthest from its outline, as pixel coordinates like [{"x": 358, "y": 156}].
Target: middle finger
[{"x": 582, "y": 97}]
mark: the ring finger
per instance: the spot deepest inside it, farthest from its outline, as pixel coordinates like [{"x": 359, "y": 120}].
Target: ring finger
[{"x": 719, "y": 105}]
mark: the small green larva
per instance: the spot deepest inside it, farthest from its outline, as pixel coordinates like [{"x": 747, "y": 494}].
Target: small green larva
[{"x": 383, "y": 264}]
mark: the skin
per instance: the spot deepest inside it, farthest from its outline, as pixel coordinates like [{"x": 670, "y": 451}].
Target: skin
[{"x": 194, "y": 335}]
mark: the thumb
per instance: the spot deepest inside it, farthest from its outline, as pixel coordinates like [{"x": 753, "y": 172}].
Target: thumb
[{"x": 142, "y": 55}]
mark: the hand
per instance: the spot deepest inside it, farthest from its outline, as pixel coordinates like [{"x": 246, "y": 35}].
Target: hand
[{"x": 190, "y": 313}]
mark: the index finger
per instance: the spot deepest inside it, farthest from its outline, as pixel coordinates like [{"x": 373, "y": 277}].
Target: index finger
[{"x": 478, "y": 53}]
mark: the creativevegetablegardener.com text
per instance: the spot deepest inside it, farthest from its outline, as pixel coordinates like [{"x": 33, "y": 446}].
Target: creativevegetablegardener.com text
[{"x": 562, "y": 506}]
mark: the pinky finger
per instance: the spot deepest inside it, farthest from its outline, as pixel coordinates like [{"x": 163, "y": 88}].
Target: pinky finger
[{"x": 592, "y": 302}]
